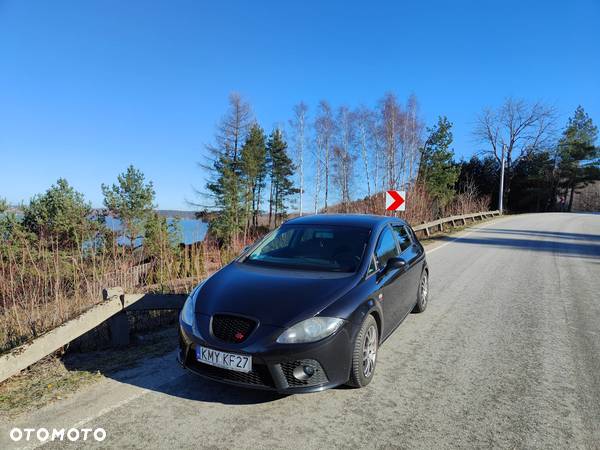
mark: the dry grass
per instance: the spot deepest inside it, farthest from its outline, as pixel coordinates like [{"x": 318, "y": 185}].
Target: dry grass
[
  {"x": 419, "y": 207},
  {"x": 42, "y": 286},
  {"x": 47, "y": 381}
]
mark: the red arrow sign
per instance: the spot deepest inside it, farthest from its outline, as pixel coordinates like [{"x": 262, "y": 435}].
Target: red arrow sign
[{"x": 395, "y": 200}]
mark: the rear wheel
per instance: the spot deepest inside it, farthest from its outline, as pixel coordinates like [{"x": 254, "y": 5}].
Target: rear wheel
[
  {"x": 364, "y": 356},
  {"x": 423, "y": 295}
]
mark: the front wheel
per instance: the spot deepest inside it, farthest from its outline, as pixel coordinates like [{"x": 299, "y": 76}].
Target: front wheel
[{"x": 364, "y": 356}]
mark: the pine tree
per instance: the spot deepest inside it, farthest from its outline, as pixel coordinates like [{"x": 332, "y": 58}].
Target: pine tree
[
  {"x": 224, "y": 190},
  {"x": 61, "y": 214},
  {"x": 281, "y": 170},
  {"x": 224, "y": 186},
  {"x": 253, "y": 173},
  {"x": 132, "y": 201},
  {"x": 437, "y": 170},
  {"x": 579, "y": 157}
]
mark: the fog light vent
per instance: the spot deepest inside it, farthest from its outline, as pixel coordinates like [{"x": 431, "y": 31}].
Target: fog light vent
[{"x": 303, "y": 372}]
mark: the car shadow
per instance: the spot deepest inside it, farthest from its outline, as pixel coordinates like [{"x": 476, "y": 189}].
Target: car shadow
[
  {"x": 192, "y": 387},
  {"x": 164, "y": 375}
]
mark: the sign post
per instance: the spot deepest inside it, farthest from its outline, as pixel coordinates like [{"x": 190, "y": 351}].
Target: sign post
[
  {"x": 395, "y": 200},
  {"x": 501, "y": 191}
]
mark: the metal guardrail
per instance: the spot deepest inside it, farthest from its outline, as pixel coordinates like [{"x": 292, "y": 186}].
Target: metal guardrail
[
  {"x": 426, "y": 227},
  {"x": 116, "y": 303}
]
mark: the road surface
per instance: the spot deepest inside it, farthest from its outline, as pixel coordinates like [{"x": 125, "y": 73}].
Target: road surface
[{"x": 507, "y": 355}]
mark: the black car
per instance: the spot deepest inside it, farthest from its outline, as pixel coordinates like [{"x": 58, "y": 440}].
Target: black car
[{"x": 306, "y": 308}]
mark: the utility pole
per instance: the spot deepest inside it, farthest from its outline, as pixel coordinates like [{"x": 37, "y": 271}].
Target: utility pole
[{"x": 501, "y": 193}]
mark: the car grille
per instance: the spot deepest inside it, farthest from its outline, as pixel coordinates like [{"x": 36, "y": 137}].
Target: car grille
[
  {"x": 318, "y": 377},
  {"x": 258, "y": 376},
  {"x": 232, "y": 328}
]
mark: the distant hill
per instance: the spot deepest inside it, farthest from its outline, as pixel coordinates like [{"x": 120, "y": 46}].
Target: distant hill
[
  {"x": 14, "y": 210},
  {"x": 163, "y": 212},
  {"x": 177, "y": 213}
]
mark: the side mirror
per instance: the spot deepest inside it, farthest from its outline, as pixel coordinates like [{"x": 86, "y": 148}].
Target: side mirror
[{"x": 395, "y": 263}]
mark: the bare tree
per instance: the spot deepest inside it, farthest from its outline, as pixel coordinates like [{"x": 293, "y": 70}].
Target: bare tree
[
  {"x": 411, "y": 139},
  {"x": 233, "y": 128},
  {"x": 324, "y": 133},
  {"x": 343, "y": 165},
  {"x": 344, "y": 154},
  {"x": 364, "y": 127},
  {"x": 318, "y": 164},
  {"x": 521, "y": 127},
  {"x": 390, "y": 118},
  {"x": 298, "y": 124},
  {"x": 378, "y": 153}
]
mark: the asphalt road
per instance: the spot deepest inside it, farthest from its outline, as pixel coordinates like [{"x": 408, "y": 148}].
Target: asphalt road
[{"x": 507, "y": 355}]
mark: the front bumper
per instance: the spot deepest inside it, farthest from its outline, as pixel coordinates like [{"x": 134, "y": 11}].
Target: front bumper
[{"x": 273, "y": 364}]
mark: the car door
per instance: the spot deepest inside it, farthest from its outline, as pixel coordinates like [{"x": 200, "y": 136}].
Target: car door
[
  {"x": 409, "y": 252},
  {"x": 389, "y": 283}
]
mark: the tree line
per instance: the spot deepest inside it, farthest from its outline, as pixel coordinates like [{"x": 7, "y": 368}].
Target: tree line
[
  {"x": 544, "y": 166},
  {"x": 340, "y": 156},
  {"x": 62, "y": 219},
  {"x": 336, "y": 160}
]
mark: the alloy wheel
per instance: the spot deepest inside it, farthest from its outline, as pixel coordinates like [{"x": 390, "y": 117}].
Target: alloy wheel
[
  {"x": 424, "y": 289},
  {"x": 369, "y": 351}
]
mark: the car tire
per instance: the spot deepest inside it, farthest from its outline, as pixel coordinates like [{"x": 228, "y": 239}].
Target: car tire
[
  {"x": 364, "y": 356},
  {"x": 423, "y": 293}
]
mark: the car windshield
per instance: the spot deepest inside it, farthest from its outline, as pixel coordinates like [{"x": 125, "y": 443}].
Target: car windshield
[{"x": 312, "y": 247}]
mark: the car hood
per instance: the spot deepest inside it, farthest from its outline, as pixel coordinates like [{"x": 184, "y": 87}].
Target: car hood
[{"x": 276, "y": 297}]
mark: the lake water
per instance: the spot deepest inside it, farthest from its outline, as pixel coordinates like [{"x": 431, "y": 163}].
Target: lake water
[{"x": 192, "y": 230}]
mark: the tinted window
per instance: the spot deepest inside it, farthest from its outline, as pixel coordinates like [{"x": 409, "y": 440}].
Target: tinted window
[
  {"x": 313, "y": 247},
  {"x": 412, "y": 235},
  {"x": 386, "y": 247},
  {"x": 372, "y": 266},
  {"x": 403, "y": 237}
]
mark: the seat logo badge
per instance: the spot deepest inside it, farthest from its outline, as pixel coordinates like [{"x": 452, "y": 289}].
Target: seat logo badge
[{"x": 239, "y": 336}]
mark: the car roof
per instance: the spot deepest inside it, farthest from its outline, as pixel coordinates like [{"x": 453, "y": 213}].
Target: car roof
[{"x": 359, "y": 220}]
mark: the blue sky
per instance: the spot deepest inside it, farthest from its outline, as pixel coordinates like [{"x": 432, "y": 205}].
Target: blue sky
[{"x": 87, "y": 88}]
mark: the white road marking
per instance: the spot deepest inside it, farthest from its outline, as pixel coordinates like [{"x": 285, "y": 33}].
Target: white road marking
[
  {"x": 105, "y": 411},
  {"x": 100, "y": 413}
]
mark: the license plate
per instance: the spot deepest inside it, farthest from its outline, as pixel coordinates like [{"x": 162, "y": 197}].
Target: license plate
[{"x": 225, "y": 360}]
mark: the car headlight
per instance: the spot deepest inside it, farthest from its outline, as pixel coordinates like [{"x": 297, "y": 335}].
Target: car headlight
[
  {"x": 310, "y": 330},
  {"x": 189, "y": 309}
]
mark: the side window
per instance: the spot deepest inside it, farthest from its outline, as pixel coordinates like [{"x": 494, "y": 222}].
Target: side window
[
  {"x": 372, "y": 266},
  {"x": 403, "y": 237},
  {"x": 307, "y": 235},
  {"x": 413, "y": 235},
  {"x": 386, "y": 247}
]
